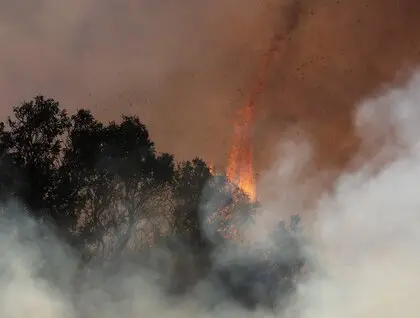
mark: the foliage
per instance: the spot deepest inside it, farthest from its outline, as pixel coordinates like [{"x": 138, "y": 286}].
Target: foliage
[{"x": 108, "y": 191}]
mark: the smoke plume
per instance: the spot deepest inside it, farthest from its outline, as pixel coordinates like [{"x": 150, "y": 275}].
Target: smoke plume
[
  {"x": 364, "y": 231},
  {"x": 198, "y": 60},
  {"x": 187, "y": 57},
  {"x": 363, "y": 238}
]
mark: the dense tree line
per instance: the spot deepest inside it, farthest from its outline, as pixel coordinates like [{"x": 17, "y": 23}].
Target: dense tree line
[{"x": 108, "y": 192}]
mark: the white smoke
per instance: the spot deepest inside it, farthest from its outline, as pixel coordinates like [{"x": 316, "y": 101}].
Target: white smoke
[
  {"x": 364, "y": 232},
  {"x": 367, "y": 230},
  {"x": 365, "y": 235}
]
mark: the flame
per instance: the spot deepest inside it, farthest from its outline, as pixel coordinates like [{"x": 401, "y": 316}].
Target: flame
[
  {"x": 240, "y": 169},
  {"x": 240, "y": 163},
  {"x": 211, "y": 168}
]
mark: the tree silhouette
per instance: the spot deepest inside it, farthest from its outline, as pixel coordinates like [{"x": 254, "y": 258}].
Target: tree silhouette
[
  {"x": 84, "y": 188},
  {"x": 118, "y": 174},
  {"x": 189, "y": 181},
  {"x": 111, "y": 195},
  {"x": 33, "y": 146}
]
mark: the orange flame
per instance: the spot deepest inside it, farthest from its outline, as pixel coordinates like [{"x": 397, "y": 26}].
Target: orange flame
[
  {"x": 211, "y": 168},
  {"x": 240, "y": 168},
  {"x": 240, "y": 165}
]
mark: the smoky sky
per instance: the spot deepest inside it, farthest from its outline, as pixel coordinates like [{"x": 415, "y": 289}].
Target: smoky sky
[{"x": 185, "y": 66}]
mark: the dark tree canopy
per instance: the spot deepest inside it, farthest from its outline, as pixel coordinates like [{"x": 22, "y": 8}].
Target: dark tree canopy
[{"x": 110, "y": 193}]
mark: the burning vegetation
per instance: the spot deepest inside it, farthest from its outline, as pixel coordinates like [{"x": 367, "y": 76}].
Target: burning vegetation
[{"x": 240, "y": 169}]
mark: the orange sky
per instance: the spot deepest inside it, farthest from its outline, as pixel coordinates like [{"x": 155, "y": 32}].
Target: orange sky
[{"x": 184, "y": 67}]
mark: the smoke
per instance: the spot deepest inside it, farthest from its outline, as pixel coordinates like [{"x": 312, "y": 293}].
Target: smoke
[
  {"x": 370, "y": 224},
  {"x": 148, "y": 58},
  {"x": 364, "y": 231},
  {"x": 363, "y": 239},
  {"x": 339, "y": 52},
  {"x": 200, "y": 58}
]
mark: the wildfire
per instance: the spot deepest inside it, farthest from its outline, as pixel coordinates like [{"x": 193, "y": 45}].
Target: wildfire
[
  {"x": 211, "y": 168},
  {"x": 240, "y": 169},
  {"x": 240, "y": 163}
]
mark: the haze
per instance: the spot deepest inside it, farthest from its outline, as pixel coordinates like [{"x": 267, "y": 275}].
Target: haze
[{"x": 184, "y": 66}]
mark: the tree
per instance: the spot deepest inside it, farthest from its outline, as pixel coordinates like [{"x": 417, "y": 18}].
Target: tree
[
  {"x": 111, "y": 193},
  {"x": 190, "y": 179},
  {"x": 83, "y": 187},
  {"x": 33, "y": 145},
  {"x": 143, "y": 177},
  {"x": 120, "y": 178},
  {"x": 9, "y": 175},
  {"x": 207, "y": 207}
]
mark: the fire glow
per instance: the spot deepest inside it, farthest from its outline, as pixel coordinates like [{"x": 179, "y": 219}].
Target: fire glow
[{"x": 240, "y": 168}]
